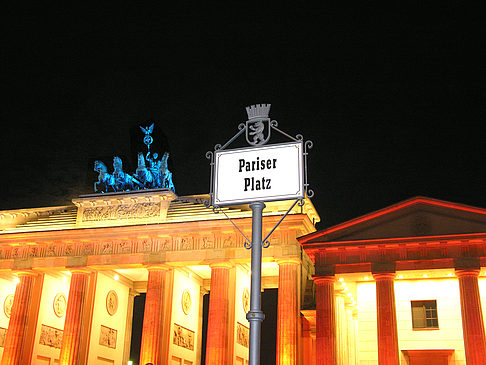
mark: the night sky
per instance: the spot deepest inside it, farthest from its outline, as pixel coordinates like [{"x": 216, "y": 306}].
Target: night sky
[{"x": 392, "y": 97}]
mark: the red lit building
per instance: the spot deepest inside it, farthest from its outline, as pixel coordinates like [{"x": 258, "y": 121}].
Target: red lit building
[{"x": 402, "y": 285}]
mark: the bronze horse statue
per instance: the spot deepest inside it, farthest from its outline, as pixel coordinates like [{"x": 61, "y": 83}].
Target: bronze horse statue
[
  {"x": 105, "y": 179},
  {"x": 123, "y": 181}
]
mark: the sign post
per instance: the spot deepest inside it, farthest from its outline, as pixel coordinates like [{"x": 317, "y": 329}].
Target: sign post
[{"x": 255, "y": 175}]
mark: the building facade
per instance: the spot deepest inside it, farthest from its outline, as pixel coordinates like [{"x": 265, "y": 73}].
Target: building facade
[
  {"x": 402, "y": 285},
  {"x": 69, "y": 275}
]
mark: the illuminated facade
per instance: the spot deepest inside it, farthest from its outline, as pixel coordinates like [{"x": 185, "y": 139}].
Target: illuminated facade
[
  {"x": 69, "y": 275},
  {"x": 402, "y": 285}
]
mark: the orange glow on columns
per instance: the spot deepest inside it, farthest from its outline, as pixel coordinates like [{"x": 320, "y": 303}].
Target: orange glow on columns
[
  {"x": 152, "y": 347},
  {"x": 17, "y": 326},
  {"x": 472, "y": 317},
  {"x": 75, "y": 319},
  {"x": 216, "y": 347},
  {"x": 288, "y": 312},
  {"x": 386, "y": 319},
  {"x": 325, "y": 321}
]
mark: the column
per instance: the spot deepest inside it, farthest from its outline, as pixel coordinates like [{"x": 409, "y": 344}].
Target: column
[
  {"x": 341, "y": 330},
  {"x": 325, "y": 321},
  {"x": 15, "y": 343},
  {"x": 472, "y": 316},
  {"x": 386, "y": 319},
  {"x": 128, "y": 325},
  {"x": 218, "y": 350},
  {"x": 77, "y": 320},
  {"x": 306, "y": 342},
  {"x": 155, "y": 332},
  {"x": 288, "y": 311}
]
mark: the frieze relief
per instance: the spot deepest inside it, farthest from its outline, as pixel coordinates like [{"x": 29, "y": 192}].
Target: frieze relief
[
  {"x": 121, "y": 212},
  {"x": 3, "y": 334},
  {"x": 144, "y": 245},
  {"x": 68, "y": 250},
  {"x": 185, "y": 243},
  {"x": 228, "y": 240},
  {"x": 206, "y": 242},
  {"x": 164, "y": 244},
  {"x": 106, "y": 248},
  {"x": 51, "y": 250},
  {"x": 123, "y": 246},
  {"x": 242, "y": 335},
  {"x": 50, "y": 336},
  {"x": 87, "y": 249},
  {"x": 183, "y": 337},
  {"x": 108, "y": 337}
]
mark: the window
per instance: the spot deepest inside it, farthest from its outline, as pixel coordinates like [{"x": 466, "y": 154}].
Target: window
[{"x": 424, "y": 314}]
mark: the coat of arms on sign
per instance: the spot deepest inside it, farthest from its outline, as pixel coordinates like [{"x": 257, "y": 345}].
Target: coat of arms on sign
[{"x": 258, "y": 124}]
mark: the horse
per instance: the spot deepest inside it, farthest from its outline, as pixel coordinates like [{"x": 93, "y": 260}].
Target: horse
[
  {"x": 104, "y": 178},
  {"x": 142, "y": 173},
  {"x": 123, "y": 181}
]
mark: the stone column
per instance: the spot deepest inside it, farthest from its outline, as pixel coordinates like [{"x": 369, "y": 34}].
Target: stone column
[
  {"x": 155, "y": 332},
  {"x": 77, "y": 319},
  {"x": 325, "y": 321},
  {"x": 288, "y": 311},
  {"x": 472, "y": 316},
  {"x": 18, "y": 326},
  {"x": 388, "y": 353},
  {"x": 218, "y": 349},
  {"x": 341, "y": 329},
  {"x": 128, "y": 325},
  {"x": 306, "y": 342}
]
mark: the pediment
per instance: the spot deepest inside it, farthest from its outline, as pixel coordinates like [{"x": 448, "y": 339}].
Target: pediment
[{"x": 415, "y": 217}]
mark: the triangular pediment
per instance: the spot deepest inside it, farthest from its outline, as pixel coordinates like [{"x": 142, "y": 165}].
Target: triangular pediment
[{"x": 415, "y": 217}]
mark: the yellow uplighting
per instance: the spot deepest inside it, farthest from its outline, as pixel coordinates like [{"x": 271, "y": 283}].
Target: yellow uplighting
[
  {"x": 116, "y": 277},
  {"x": 450, "y": 274},
  {"x": 16, "y": 281},
  {"x": 400, "y": 276},
  {"x": 425, "y": 276},
  {"x": 366, "y": 278},
  {"x": 343, "y": 284},
  {"x": 349, "y": 294},
  {"x": 341, "y": 279},
  {"x": 64, "y": 279}
]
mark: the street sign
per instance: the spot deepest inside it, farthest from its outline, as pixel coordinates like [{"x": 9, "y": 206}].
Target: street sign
[
  {"x": 256, "y": 175},
  {"x": 269, "y": 173}
]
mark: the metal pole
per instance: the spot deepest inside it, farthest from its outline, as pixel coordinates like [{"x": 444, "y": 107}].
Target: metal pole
[{"x": 255, "y": 316}]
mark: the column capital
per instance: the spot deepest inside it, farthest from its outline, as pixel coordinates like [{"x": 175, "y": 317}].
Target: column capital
[
  {"x": 133, "y": 293},
  {"x": 26, "y": 273},
  {"x": 221, "y": 264},
  {"x": 163, "y": 267},
  {"x": 81, "y": 270},
  {"x": 462, "y": 273},
  {"x": 384, "y": 275},
  {"x": 288, "y": 260},
  {"x": 322, "y": 280}
]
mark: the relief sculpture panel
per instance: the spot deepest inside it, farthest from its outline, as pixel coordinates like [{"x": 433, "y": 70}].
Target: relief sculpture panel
[
  {"x": 108, "y": 337},
  {"x": 121, "y": 212},
  {"x": 50, "y": 336},
  {"x": 183, "y": 337}
]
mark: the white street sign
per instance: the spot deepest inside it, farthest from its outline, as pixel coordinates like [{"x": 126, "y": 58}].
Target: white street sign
[{"x": 269, "y": 173}]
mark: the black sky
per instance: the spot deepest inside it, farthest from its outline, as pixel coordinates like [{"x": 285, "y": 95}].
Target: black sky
[{"x": 393, "y": 98}]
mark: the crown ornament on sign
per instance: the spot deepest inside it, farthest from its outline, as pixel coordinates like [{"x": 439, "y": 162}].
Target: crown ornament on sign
[{"x": 258, "y": 111}]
